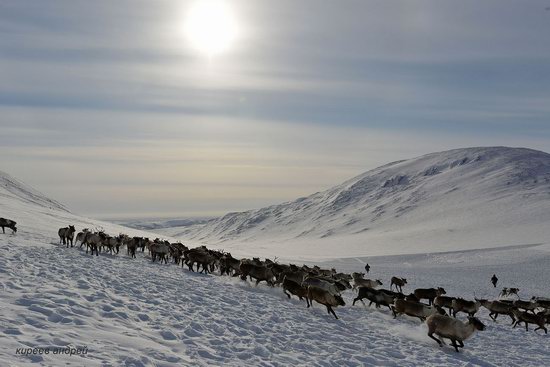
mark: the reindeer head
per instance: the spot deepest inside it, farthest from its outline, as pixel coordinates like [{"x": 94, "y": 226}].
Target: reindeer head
[
  {"x": 339, "y": 300},
  {"x": 477, "y": 324}
]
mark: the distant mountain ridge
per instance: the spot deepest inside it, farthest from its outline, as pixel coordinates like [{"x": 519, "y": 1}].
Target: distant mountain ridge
[
  {"x": 159, "y": 223},
  {"x": 454, "y": 190}
]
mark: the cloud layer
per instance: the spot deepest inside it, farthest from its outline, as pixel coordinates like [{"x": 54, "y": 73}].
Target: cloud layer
[{"x": 104, "y": 107}]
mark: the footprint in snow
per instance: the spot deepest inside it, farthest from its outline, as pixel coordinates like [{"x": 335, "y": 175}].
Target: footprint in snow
[
  {"x": 143, "y": 317},
  {"x": 168, "y": 335}
]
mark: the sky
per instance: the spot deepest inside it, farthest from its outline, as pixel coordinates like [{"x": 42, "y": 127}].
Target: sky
[{"x": 112, "y": 108}]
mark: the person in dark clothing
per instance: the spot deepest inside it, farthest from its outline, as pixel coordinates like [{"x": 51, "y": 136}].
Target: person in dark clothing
[
  {"x": 494, "y": 280},
  {"x": 367, "y": 268}
]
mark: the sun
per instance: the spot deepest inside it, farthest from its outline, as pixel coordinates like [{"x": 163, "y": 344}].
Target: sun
[{"x": 210, "y": 26}]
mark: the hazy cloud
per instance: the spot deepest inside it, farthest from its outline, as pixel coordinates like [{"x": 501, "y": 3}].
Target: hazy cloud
[{"x": 105, "y": 98}]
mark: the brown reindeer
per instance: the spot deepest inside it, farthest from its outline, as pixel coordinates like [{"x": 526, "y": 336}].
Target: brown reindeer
[
  {"x": 94, "y": 241},
  {"x": 528, "y": 318},
  {"x": 414, "y": 309},
  {"x": 8, "y": 223},
  {"x": 496, "y": 308},
  {"x": 325, "y": 298},
  {"x": 453, "y": 329},
  {"x": 258, "y": 272},
  {"x": 66, "y": 235},
  {"x": 399, "y": 283},
  {"x": 462, "y": 305},
  {"x": 429, "y": 293},
  {"x": 296, "y": 289}
]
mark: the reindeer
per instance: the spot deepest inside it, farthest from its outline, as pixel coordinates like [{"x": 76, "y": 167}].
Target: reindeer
[
  {"x": 292, "y": 273},
  {"x": 462, "y": 305},
  {"x": 526, "y": 305},
  {"x": 399, "y": 283},
  {"x": 296, "y": 289},
  {"x": 325, "y": 298},
  {"x": 258, "y": 272},
  {"x": 160, "y": 249},
  {"x": 198, "y": 255},
  {"x": 314, "y": 281},
  {"x": 66, "y": 234},
  {"x": 359, "y": 281},
  {"x": 229, "y": 265},
  {"x": 81, "y": 236},
  {"x": 453, "y": 329},
  {"x": 112, "y": 243},
  {"x": 497, "y": 308},
  {"x": 94, "y": 241},
  {"x": 414, "y": 309},
  {"x": 8, "y": 223},
  {"x": 542, "y": 301},
  {"x": 176, "y": 251},
  {"x": 429, "y": 293},
  {"x": 375, "y": 296},
  {"x": 131, "y": 245},
  {"x": 444, "y": 301},
  {"x": 528, "y": 318},
  {"x": 509, "y": 292}
]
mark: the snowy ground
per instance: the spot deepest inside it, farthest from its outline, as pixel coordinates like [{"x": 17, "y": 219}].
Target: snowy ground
[
  {"x": 136, "y": 313},
  {"x": 131, "y": 312}
]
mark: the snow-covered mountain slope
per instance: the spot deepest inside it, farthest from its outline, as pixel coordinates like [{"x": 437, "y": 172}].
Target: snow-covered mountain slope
[
  {"x": 132, "y": 312},
  {"x": 34, "y": 212},
  {"x": 11, "y": 189},
  {"x": 458, "y": 199}
]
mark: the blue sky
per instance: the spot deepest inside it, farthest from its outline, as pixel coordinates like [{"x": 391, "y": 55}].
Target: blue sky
[{"x": 106, "y": 107}]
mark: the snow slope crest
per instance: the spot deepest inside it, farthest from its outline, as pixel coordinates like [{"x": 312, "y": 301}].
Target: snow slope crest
[
  {"x": 12, "y": 188},
  {"x": 456, "y": 191}
]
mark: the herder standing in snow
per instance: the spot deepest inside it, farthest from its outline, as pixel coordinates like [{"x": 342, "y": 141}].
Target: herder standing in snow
[
  {"x": 494, "y": 280},
  {"x": 367, "y": 268}
]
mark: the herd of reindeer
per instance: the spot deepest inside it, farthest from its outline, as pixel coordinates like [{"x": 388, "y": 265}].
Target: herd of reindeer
[{"x": 325, "y": 286}]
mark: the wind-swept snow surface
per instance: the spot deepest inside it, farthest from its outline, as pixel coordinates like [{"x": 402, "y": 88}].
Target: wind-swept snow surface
[
  {"x": 458, "y": 199},
  {"x": 137, "y": 313}
]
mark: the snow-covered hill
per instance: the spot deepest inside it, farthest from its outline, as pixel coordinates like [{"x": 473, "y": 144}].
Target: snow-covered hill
[
  {"x": 458, "y": 199},
  {"x": 132, "y": 312},
  {"x": 34, "y": 212},
  {"x": 11, "y": 188}
]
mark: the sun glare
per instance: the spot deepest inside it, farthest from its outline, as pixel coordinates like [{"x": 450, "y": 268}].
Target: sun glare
[{"x": 210, "y": 26}]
